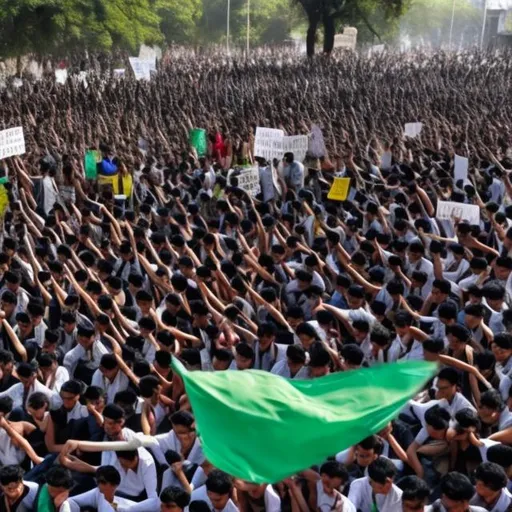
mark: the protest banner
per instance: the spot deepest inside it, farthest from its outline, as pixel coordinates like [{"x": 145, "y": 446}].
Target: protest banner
[
  {"x": 461, "y": 168},
  {"x": 142, "y": 68},
  {"x": 12, "y": 142},
  {"x": 92, "y": 157},
  {"x": 249, "y": 180},
  {"x": 339, "y": 189},
  {"x": 316, "y": 142},
  {"x": 269, "y": 143},
  {"x": 61, "y": 75},
  {"x": 449, "y": 210},
  {"x": 413, "y": 129},
  {"x": 298, "y": 145},
  {"x": 346, "y": 40},
  {"x": 119, "y": 73},
  {"x": 197, "y": 139}
]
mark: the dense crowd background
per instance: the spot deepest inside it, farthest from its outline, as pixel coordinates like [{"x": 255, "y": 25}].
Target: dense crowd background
[{"x": 164, "y": 255}]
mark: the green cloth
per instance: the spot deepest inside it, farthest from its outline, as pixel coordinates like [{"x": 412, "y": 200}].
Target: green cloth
[
  {"x": 263, "y": 428},
  {"x": 44, "y": 501},
  {"x": 197, "y": 139},
  {"x": 92, "y": 158}
]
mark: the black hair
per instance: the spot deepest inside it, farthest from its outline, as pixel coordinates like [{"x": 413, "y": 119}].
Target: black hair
[
  {"x": 6, "y": 404},
  {"x": 457, "y": 487},
  {"x": 352, "y": 354},
  {"x": 58, "y": 476},
  {"x": 437, "y": 417},
  {"x": 449, "y": 374},
  {"x": 414, "y": 488},
  {"x": 72, "y": 386},
  {"x": 219, "y": 482},
  {"x": 492, "y": 475},
  {"x": 37, "y": 400},
  {"x": 335, "y": 469},
  {"x": 108, "y": 361},
  {"x": 503, "y": 340},
  {"x": 130, "y": 455},
  {"x": 147, "y": 386},
  {"x": 172, "y": 494},
  {"x": 500, "y": 454},
  {"x": 11, "y": 474},
  {"x": 433, "y": 345},
  {"x": 108, "y": 475},
  {"x": 113, "y": 412},
  {"x": 183, "y": 418},
  {"x": 467, "y": 418},
  {"x": 371, "y": 443},
  {"x": 492, "y": 400},
  {"x": 381, "y": 469}
]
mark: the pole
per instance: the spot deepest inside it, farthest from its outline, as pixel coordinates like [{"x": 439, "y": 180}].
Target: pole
[
  {"x": 483, "y": 26},
  {"x": 451, "y": 25},
  {"x": 227, "y": 35},
  {"x": 248, "y": 25}
]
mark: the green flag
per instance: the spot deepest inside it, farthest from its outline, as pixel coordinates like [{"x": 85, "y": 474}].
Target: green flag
[
  {"x": 92, "y": 157},
  {"x": 263, "y": 428},
  {"x": 197, "y": 139}
]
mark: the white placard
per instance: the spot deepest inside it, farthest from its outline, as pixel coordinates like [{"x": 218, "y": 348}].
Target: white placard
[
  {"x": 17, "y": 82},
  {"x": 82, "y": 78},
  {"x": 386, "y": 160},
  {"x": 269, "y": 143},
  {"x": 119, "y": 73},
  {"x": 449, "y": 210},
  {"x": 316, "y": 142},
  {"x": 298, "y": 145},
  {"x": 413, "y": 129},
  {"x": 461, "y": 168},
  {"x": 142, "y": 68},
  {"x": 249, "y": 180},
  {"x": 61, "y": 75},
  {"x": 12, "y": 142}
]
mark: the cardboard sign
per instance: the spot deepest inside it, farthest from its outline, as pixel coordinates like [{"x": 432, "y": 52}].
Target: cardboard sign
[
  {"x": 449, "y": 210},
  {"x": 298, "y": 145},
  {"x": 413, "y": 129},
  {"x": 461, "y": 168},
  {"x": 249, "y": 180},
  {"x": 339, "y": 189},
  {"x": 269, "y": 143},
  {"x": 316, "y": 142},
  {"x": 12, "y": 142}
]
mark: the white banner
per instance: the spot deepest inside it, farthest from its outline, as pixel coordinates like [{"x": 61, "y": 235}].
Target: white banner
[
  {"x": 12, "y": 142},
  {"x": 249, "y": 180},
  {"x": 142, "y": 68},
  {"x": 316, "y": 142},
  {"x": 461, "y": 168},
  {"x": 119, "y": 73},
  {"x": 298, "y": 145},
  {"x": 448, "y": 210},
  {"x": 413, "y": 129},
  {"x": 269, "y": 143}
]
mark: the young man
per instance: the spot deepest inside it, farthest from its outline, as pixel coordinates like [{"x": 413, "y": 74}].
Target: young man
[
  {"x": 109, "y": 377},
  {"x": 415, "y": 493},
  {"x": 258, "y": 497},
  {"x": 447, "y": 381},
  {"x": 493, "y": 411},
  {"x": 216, "y": 492},
  {"x": 294, "y": 367},
  {"x": 55, "y": 493},
  {"x": 377, "y": 490},
  {"x": 491, "y": 488},
  {"x": 172, "y": 499},
  {"x": 17, "y": 495},
  {"x": 456, "y": 492}
]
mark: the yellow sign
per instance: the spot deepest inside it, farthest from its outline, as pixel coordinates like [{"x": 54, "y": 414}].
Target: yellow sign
[{"x": 339, "y": 189}]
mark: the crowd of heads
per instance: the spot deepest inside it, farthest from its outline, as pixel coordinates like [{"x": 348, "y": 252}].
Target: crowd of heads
[{"x": 164, "y": 253}]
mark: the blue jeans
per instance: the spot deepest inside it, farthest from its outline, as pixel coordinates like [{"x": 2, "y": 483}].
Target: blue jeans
[{"x": 37, "y": 473}]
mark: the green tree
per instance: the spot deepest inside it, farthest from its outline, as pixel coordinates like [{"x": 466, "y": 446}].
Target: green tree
[
  {"x": 179, "y": 19},
  {"x": 430, "y": 20}
]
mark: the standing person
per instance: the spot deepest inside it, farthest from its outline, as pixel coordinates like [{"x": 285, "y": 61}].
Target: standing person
[{"x": 293, "y": 172}]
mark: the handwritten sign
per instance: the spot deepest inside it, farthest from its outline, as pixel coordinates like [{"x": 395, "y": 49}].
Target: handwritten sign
[
  {"x": 249, "y": 180},
  {"x": 449, "y": 210},
  {"x": 316, "y": 142},
  {"x": 142, "y": 68},
  {"x": 12, "y": 142},
  {"x": 298, "y": 145},
  {"x": 269, "y": 143},
  {"x": 339, "y": 189},
  {"x": 413, "y": 129}
]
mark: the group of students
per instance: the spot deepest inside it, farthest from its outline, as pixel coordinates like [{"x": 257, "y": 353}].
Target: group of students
[{"x": 99, "y": 290}]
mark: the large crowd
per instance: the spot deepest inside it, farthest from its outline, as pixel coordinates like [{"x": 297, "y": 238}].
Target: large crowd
[{"x": 163, "y": 254}]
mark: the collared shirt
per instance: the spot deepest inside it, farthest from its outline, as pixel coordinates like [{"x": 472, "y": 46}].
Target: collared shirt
[
  {"x": 502, "y": 503},
  {"x": 134, "y": 483},
  {"x": 120, "y": 383},
  {"x": 361, "y": 495},
  {"x": 201, "y": 494},
  {"x": 16, "y": 392},
  {"x": 326, "y": 503},
  {"x": 281, "y": 368},
  {"x": 91, "y": 358},
  {"x": 94, "y": 499},
  {"x": 266, "y": 360}
]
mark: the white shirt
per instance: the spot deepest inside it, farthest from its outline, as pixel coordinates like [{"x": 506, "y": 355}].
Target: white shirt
[
  {"x": 170, "y": 441},
  {"x": 16, "y": 393},
  {"x": 201, "y": 494},
  {"x": 120, "y": 383},
  {"x": 281, "y": 368},
  {"x": 61, "y": 376},
  {"x": 143, "y": 479},
  {"x": 361, "y": 496},
  {"x": 502, "y": 504},
  {"x": 9, "y": 453},
  {"x": 92, "y": 359},
  {"x": 325, "y": 503},
  {"x": 95, "y": 499}
]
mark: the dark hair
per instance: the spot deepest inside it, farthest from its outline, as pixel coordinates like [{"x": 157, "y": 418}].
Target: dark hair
[
  {"x": 457, "y": 487},
  {"x": 219, "y": 482},
  {"x": 435, "y": 346},
  {"x": 449, "y": 374},
  {"x": 334, "y": 469},
  {"x": 37, "y": 400},
  {"x": 503, "y": 340},
  {"x": 57, "y": 476},
  {"x": 500, "y": 454},
  {"x": 183, "y": 418},
  {"x": 492, "y": 400},
  {"x": 108, "y": 475},
  {"x": 10, "y": 474},
  {"x": 437, "y": 417},
  {"x": 492, "y": 475},
  {"x": 381, "y": 469},
  {"x": 175, "y": 495},
  {"x": 414, "y": 488},
  {"x": 467, "y": 418},
  {"x": 147, "y": 386},
  {"x": 113, "y": 412},
  {"x": 6, "y": 404},
  {"x": 127, "y": 454},
  {"x": 371, "y": 443}
]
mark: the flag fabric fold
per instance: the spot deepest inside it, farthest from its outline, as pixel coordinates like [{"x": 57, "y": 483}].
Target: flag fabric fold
[{"x": 263, "y": 428}]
